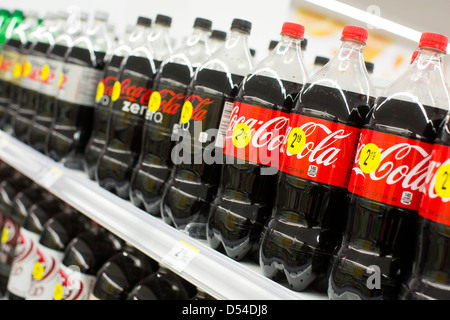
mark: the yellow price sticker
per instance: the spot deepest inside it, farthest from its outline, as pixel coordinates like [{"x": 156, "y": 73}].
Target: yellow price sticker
[
  {"x": 442, "y": 185},
  {"x": 241, "y": 135},
  {"x": 186, "y": 112},
  {"x": 5, "y": 235},
  {"x": 370, "y": 158},
  {"x": 155, "y": 101},
  {"x": 58, "y": 294},
  {"x": 45, "y": 72},
  {"x": 100, "y": 91},
  {"x": 296, "y": 141},
  {"x": 117, "y": 88},
  {"x": 26, "y": 69},
  {"x": 38, "y": 271},
  {"x": 1, "y": 60},
  {"x": 61, "y": 79},
  {"x": 17, "y": 71}
]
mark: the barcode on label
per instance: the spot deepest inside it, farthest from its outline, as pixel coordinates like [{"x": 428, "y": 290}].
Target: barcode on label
[
  {"x": 312, "y": 171},
  {"x": 180, "y": 256},
  {"x": 224, "y": 122},
  {"x": 406, "y": 198}
]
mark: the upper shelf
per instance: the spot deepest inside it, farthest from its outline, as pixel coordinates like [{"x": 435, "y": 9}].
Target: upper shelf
[{"x": 208, "y": 269}]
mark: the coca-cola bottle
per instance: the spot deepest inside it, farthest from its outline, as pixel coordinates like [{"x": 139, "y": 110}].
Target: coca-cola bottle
[
  {"x": 430, "y": 275},
  {"x": 50, "y": 80},
  {"x": 17, "y": 198},
  {"x": 196, "y": 172},
  {"x": 55, "y": 236},
  {"x": 171, "y": 82},
  {"x": 74, "y": 106},
  {"x": 83, "y": 258},
  {"x": 105, "y": 87},
  {"x": 130, "y": 98},
  {"x": 36, "y": 58},
  {"x": 13, "y": 58},
  {"x": 163, "y": 285},
  {"x": 118, "y": 276},
  {"x": 217, "y": 40},
  {"x": 387, "y": 180},
  {"x": 317, "y": 156},
  {"x": 256, "y": 127},
  {"x": 25, "y": 252}
]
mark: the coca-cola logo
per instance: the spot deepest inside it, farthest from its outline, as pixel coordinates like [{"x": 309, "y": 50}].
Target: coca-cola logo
[
  {"x": 402, "y": 164},
  {"x": 6, "y": 65},
  {"x": 109, "y": 84},
  {"x": 200, "y": 109},
  {"x": 432, "y": 189},
  {"x": 171, "y": 102},
  {"x": 133, "y": 93}
]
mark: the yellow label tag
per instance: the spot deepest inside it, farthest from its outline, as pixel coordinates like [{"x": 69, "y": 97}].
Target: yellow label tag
[
  {"x": 61, "y": 79},
  {"x": 370, "y": 158},
  {"x": 5, "y": 235},
  {"x": 117, "y": 88},
  {"x": 155, "y": 101},
  {"x": 59, "y": 292},
  {"x": 442, "y": 186},
  {"x": 100, "y": 91},
  {"x": 186, "y": 112},
  {"x": 26, "y": 69},
  {"x": 1, "y": 59},
  {"x": 296, "y": 141},
  {"x": 17, "y": 71},
  {"x": 38, "y": 271},
  {"x": 45, "y": 72},
  {"x": 241, "y": 135}
]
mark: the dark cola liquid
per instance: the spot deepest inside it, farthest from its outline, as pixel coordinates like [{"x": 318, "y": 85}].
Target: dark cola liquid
[
  {"x": 73, "y": 117},
  {"x": 10, "y": 89},
  {"x": 97, "y": 141},
  {"x": 154, "y": 164},
  {"x": 430, "y": 275},
  {"x": 41, "y": 123},
  {"x": 390, "y": 245},
  {"x": 193, "y": 183},
  {"x": 118, "y": 276},
  {"x": 246, "y": 196},
  {"x": 36, "y": 58},
  {"x": 124, "y": 138},
  {"x": 163, "y": 285},
  {"x": 308, "y": 216}
]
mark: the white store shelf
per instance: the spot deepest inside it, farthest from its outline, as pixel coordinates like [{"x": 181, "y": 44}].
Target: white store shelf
[{"x": 208, "y": 269}]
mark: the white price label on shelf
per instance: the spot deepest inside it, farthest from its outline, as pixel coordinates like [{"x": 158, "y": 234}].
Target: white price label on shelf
[
  {"x": 180, "y": 256},
  {"x": 50, "y": 177}
]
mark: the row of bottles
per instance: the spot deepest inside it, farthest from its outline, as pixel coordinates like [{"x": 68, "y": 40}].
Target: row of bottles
[
  {"x": 318, "y": 179},
  {"x": 50, "y": 251}
]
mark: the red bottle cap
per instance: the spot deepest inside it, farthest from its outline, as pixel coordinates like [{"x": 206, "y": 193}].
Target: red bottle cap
[
  {"x": 293, "y": 29},
  {"x": 354, "y": 33},
  {"x": 414, "y": 55},
  {"x": 434, "y": 41}
]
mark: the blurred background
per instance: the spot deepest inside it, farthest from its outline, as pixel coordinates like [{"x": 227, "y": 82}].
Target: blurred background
[{"x": 394, "y": 26}]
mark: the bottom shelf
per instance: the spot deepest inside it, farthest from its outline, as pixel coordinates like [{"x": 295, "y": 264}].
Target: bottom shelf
[{"x": 213, "y": 272}]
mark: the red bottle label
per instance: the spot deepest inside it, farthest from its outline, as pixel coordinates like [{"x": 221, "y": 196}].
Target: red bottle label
[
  {"x": 255, "y": 134},
  {"x": 390, "y": 169},
  {"x": 319, "y": 150},
  {"x": 435, "y": 203}
]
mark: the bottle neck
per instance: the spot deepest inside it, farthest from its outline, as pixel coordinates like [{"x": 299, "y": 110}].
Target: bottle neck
[
  {"x": 429, "y": 59},
  {"x": 159, "y": 41},
  {"x": 198, "y": 35},
  {"x": 351, "y": 51},
  {"x": 237, "y": 38}
]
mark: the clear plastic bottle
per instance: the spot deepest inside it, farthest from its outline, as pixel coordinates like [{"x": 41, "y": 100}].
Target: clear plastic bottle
[
  {"x": 316, "y": 158},
  {"x": 194, "y": 179},
  {"x": 105, "y": 87},
  {"x": 169, "y": 90},
  {"x": 74, "y": 106},
  {"x": 217, "y": 40},
  {"x": 41, "y": 123},
  {"x": 260, "y": 116},
  {"x": 159, "y": 39},
  {"x": 387, "y": 180}
]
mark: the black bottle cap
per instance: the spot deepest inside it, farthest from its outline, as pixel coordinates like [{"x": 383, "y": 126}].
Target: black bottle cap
[
  {"x": 164, "y": 20},
  {"x": 304, "y": 44},
  {"x": 144, "y": 21},
  {"x": 369, "y": 66},
  {"x": 252, "y": 52},
  {"x": 203, "y": 23},
  {"x": 241, "y": 25},
  {"x": 219, "y": 35},
  {"x": 273, "y": 44},
  {"x": 321, "y": 60}
]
